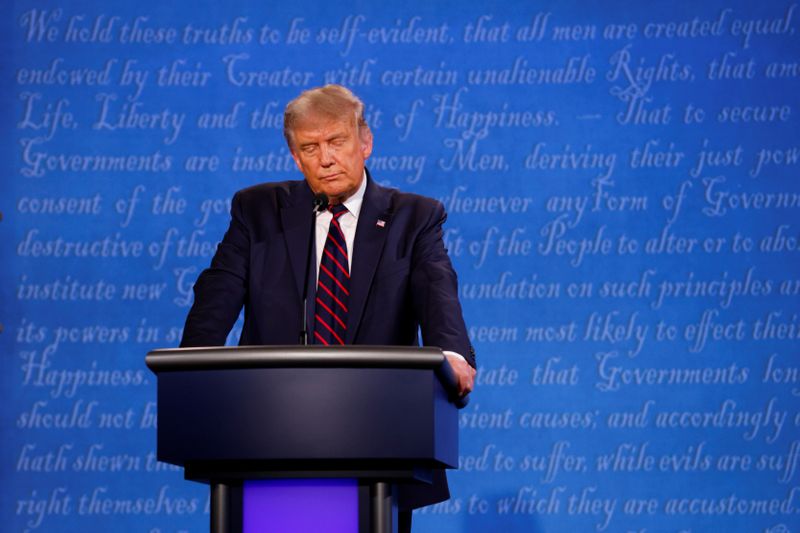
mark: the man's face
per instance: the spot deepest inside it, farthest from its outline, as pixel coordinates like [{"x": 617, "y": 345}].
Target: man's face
[{"x": 331, "y": 155}]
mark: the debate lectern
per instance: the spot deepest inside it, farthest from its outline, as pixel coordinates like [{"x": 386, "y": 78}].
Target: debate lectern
[{"x": 306, "y": 438}]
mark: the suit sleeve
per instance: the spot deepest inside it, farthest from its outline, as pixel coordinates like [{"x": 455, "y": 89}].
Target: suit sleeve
[
  {"x": 220, "y": 290},
  {"x": 435, "y": 289}
]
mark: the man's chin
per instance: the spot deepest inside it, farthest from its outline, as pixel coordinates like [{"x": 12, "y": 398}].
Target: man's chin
[
  {"x": 336, "y": 194},
  {"x": 340, "y": 198}
]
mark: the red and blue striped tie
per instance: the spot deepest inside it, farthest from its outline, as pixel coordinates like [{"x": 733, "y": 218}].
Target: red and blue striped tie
[{"x": 333, "y": 289}]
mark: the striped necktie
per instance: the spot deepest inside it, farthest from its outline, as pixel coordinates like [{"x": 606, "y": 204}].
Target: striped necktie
[{"x": 333, "y": 289}]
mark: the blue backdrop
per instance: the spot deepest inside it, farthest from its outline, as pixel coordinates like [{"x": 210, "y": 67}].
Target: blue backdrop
[{"x": 622, "y": 186}]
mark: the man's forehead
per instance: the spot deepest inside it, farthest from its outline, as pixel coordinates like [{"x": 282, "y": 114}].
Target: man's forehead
[{"x": 323, "y": 126}]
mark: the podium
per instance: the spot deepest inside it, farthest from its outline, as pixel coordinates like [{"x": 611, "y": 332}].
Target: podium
[{"x": 305, "y": 430}]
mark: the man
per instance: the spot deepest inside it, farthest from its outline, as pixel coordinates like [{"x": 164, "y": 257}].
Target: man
[{"x": 382, "y": 273}]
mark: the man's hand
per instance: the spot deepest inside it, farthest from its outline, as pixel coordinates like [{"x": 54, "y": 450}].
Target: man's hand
[{"x": 464, "y": 373}]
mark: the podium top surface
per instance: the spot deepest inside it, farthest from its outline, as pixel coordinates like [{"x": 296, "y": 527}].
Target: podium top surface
[
  {"x": 249, "y": 357},
  {"x": 231, "y": 357}
]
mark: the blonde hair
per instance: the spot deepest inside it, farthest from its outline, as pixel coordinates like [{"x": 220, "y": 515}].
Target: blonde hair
[{"x": 333, "y": 102}]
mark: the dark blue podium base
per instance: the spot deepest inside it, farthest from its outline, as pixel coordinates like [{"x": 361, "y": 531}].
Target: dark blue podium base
[{"x": 299, "y": 505}]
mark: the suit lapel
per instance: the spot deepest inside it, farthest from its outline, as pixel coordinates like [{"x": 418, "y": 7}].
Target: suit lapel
[
  {"x": 296, "y": 220},
  {"x": 367, "y": 250}
]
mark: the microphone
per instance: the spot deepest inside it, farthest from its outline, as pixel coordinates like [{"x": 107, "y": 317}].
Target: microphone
[{"x": 319, "y": 204}]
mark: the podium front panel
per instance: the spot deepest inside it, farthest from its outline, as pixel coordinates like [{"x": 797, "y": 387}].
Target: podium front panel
[{"x": 302, "y": 414}]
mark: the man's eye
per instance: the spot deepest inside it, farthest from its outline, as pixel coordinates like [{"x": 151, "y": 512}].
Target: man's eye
[{"x": 309, "y": 149}]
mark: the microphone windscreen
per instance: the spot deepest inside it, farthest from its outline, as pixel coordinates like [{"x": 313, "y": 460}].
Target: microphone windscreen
[{"x": 320, "y": 203}]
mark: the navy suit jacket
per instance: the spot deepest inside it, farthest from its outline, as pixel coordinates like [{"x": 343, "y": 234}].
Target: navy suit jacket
[{"x": 401, "y": 279}]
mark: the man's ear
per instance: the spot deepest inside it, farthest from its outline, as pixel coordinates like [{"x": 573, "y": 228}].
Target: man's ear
[
  {"x": 296, "y": 160},
  {"x": 365, "y": 137}
]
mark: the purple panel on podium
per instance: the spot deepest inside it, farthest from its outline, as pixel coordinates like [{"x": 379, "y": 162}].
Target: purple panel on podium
[{"x": 281, "y": 505}]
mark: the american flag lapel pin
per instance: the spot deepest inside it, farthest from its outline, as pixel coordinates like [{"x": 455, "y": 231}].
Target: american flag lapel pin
[{"x": 380, "y": 223}]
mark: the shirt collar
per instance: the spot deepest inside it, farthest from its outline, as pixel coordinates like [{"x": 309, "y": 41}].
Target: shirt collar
[{"x": 353, "y": 204}]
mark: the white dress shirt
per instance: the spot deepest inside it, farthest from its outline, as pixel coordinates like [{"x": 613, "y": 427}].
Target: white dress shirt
[{"x": 347, "y": 221}]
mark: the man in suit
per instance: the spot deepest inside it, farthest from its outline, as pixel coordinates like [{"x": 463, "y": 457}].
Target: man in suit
[{"x": 382, "y": 272}]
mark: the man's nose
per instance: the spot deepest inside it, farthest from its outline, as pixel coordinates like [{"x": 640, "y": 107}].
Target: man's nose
[{"x": 325, "y": 156}]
